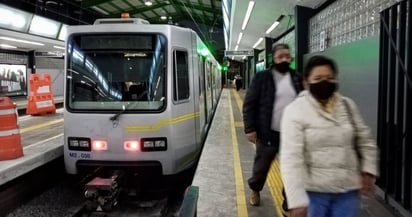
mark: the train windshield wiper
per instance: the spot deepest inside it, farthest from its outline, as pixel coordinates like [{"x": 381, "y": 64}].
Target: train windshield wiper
[{"x": 114, "y": 117}]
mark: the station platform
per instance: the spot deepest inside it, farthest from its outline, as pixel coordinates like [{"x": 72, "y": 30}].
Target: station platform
[
  {"x": 41, "y": 139},
  {"x": 222, "y": 173},
  {"x": 226, "y": 164}
]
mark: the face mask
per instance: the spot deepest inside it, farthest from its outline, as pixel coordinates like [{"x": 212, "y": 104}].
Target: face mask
[
  {"x": 323, "y": 90},
  {"x": 282, "y": 67}
]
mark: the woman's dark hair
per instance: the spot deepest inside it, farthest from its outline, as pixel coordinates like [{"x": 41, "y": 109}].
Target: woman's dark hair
[{"x": 319, "y": 61}]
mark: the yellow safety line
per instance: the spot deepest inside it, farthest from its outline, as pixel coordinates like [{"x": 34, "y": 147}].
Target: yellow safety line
[
  {"x": 161, "y": 123},
  {"x": 240, "y": 190},
  {"x": 39, "y": 126},
  {"x": 274, "y": 179},
  {"x": 239, "y": 124}
]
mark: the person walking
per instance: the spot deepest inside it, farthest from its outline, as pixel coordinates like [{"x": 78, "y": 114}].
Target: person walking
[
  {"x": 269, "y": 93},
  {"x": 327, "y": 155}
]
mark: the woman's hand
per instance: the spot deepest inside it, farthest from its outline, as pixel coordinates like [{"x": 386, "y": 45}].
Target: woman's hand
[
  {"x": 368, "y": 184},
  {"x": 299, "y": 212}
]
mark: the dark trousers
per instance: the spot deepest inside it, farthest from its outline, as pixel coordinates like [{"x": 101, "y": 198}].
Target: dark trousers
[{"x": 263, "y": 160}]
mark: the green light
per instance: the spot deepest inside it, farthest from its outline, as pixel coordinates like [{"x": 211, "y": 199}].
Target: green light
[
  {"x": 224, "y": 68},
  {"x": 204, "y": 52},
  {"x": 293, "y": 65}
]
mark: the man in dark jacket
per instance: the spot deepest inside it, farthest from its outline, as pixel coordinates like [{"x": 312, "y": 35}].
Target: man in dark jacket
[{"x": 269, "y": 93}]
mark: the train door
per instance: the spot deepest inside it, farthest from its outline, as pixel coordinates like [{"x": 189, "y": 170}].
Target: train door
[
  {"x": 202, "y": 96},
  {"x": 183, "y": 112},
  {"x": 208, "y": 87}
]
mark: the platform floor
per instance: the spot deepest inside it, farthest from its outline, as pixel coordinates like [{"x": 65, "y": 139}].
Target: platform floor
[
  {"x": 226, "y": 164},
  {"x": 224, "y": 167}
]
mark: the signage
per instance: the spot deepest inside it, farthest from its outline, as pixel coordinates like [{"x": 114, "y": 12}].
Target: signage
[
  {"x": 49, "y": 54},
  {"x": 239, "y": 53}
]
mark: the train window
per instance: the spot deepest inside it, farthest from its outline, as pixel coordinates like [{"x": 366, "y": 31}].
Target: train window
[
  {"x": 118, "y": 70},
  {"x": 180, "y": 76}
]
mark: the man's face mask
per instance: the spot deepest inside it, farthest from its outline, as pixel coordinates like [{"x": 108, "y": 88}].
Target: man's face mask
[{"x": 282, "y": 67}]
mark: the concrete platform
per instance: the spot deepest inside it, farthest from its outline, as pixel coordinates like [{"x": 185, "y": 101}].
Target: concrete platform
[
  {"x": 35, "y": 155},
  {"x": 226, "y": 164},
  {"x": 42, "y": 142}
]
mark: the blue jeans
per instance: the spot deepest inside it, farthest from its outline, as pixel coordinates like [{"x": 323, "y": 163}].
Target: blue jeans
[{"x": 334, "y": 204}]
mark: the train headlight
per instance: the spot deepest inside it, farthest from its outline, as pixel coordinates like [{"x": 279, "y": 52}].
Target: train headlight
[
  {"x": 99, "y": 145},
  {"x": 131, "y": 145},
  {"x": 154, "y": 144},
  {"x": 79, "y": 144}
]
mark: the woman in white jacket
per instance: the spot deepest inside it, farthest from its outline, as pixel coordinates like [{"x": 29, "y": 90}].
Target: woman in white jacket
[{"x": 327, "y": 156}]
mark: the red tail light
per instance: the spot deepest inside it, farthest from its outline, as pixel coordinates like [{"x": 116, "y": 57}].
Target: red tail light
[
  {"x": 99, "y": 145},
  {"x": 131, "y": 145}
]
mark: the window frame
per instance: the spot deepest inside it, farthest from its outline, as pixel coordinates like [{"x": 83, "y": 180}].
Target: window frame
[{"x": 175, "y": 80}]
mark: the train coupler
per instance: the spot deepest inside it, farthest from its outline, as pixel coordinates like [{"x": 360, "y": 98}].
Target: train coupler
[{"x": 102, "y": 193}]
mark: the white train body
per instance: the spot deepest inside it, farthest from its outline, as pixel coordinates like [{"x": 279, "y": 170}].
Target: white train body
[{"x": 137, "y": 96}]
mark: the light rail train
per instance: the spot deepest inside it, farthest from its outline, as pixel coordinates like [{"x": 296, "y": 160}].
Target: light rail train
[{"x": 138, "y": 97}]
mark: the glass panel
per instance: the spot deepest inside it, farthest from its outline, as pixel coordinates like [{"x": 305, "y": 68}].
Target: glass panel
[
  {"x": 112, "y": 71},
  {"x": 181, "y": 76}
]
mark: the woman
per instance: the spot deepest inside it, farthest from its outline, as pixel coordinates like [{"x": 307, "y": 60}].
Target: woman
[{"x": 327, "y": 156}]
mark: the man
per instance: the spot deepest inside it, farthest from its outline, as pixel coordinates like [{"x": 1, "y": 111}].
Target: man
[
  {"x": 269, "y": 93},
  {"x": 238, "y": 82}
]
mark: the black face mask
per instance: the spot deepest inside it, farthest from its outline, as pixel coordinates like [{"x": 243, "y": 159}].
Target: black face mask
[
  {"x": 323, "y": 90},
  {"x": 282, "y": 67}
]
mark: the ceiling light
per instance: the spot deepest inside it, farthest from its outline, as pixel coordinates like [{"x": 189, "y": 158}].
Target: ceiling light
[
  {"x": 148, "y": 3},
  {"x": 63, "y": 32},
  {"x": 248, "y": 12},
  {"x": 237, "y": 46},
  {"x": 258, "y": 42},
  {"x": 7, "y": 46},
  {"x": 21, "y": 41},
  {"x": 276, "y": 23},
  {"x": 58, "y": 47},
  {"x": 163, "y": 17},
  {"x": 44, "y": 27},
  {"x": 240, "y": 38},
  {"x": 271, "y": 28}
]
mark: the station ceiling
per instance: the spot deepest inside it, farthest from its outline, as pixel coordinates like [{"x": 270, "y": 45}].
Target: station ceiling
[{"x": 204, "y": 16}]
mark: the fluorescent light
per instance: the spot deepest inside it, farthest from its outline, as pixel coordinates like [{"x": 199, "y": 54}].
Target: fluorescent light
[
  {"x": 21, "y": 41},
  {"x": 237, "y": 46},
  {"x": 14, "y": 19},
  {"x": 148, "y": 3},
  {"x": 258, "y": 42},
  {"x": 163, "y": 17},
  {"x": 58, "y": 47},
  {"x": 7, "y": 46},
  {"x": 248, "y": 12},
  {"x": 63, "y": 32},
  {"x": 240, "y": 38},
  {"x": 271, "y": 28},
  {"x": 43, "y": 26}
]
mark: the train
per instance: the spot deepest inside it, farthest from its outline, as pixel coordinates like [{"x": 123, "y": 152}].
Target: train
[{"x": 138, "y": 97}]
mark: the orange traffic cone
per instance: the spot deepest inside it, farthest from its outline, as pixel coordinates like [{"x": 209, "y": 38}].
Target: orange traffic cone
[{"x": 10, "y": 140}]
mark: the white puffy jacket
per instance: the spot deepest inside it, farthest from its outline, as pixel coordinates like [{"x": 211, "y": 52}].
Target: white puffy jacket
[{"x": 317, "y": 150}]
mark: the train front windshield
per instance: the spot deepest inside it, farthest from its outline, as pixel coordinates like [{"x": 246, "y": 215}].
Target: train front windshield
[{"x": 116, "y": 72}]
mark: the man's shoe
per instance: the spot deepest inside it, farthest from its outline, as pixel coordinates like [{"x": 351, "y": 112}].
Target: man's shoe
[{"x": 254, "y": 198}]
